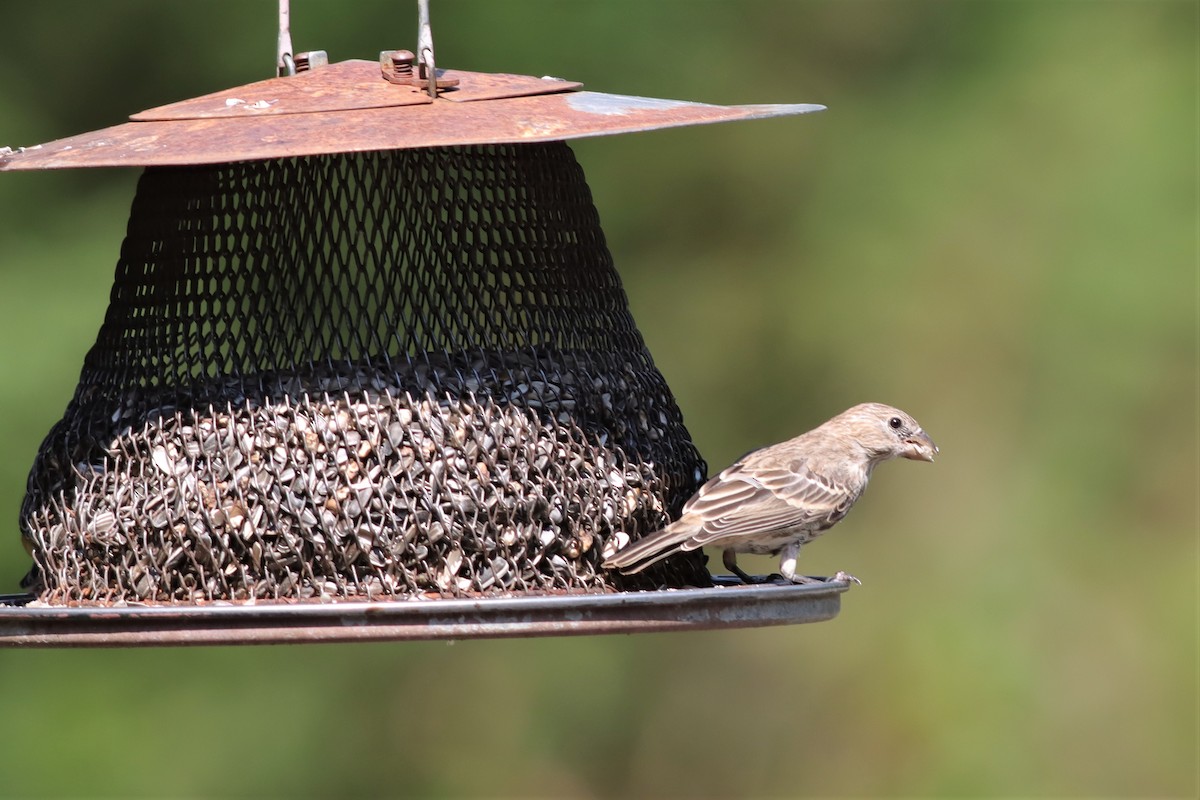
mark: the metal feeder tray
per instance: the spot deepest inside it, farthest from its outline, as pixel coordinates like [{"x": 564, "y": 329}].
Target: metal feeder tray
[{"x": 726, "y": 605}]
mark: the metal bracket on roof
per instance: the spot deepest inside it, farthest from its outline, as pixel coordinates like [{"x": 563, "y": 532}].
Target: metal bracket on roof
[
  {"x": 397, "y": 67},
  {"x": 288, "y": 63}
]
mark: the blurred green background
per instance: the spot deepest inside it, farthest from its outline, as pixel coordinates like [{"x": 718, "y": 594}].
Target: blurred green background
[{"x": 994, "y": 226}]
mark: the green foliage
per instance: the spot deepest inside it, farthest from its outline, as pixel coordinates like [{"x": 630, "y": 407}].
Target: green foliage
[{"x": 994, "y": 227}]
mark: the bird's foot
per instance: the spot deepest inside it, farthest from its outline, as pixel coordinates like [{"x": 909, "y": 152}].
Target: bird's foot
[
  {"x": 729, "y": 559},
  {"x": 751, "y": 580},
  {"x": 802, "y": 579},
  {"x": 840, "y": 577}
]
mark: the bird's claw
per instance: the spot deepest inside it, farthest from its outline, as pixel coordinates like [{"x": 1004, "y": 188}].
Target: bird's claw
[{"x": 800, "y": 580}]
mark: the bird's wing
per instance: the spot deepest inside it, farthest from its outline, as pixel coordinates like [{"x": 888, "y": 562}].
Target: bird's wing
[
  {"x": 738, "y": 506},
  {"x": 740, "y": 501}
]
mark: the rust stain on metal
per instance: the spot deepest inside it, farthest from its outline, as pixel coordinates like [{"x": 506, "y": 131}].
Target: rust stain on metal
[
  {"x": 348, "y": 107},
  {"x": 346, "y": 86},
  {"x": 335, "y": 87},
  {"x": 474, "y": 86}
]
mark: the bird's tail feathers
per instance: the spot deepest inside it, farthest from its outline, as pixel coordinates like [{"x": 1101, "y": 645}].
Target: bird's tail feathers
[{"x": 648, "y": 551}]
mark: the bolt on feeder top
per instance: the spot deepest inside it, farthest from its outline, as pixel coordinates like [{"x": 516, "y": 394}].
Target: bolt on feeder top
[{"x": 366, "y": 343}]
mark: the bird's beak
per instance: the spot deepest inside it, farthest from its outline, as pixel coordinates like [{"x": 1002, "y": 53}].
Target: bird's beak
[{"x": 920, "y": 447}]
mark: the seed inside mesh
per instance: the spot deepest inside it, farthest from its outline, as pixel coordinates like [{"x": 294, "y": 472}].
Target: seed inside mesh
[{"x": 321, "y": 488}]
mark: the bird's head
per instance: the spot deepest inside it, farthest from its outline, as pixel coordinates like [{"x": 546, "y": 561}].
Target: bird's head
[{"x": 886, "y": 432}]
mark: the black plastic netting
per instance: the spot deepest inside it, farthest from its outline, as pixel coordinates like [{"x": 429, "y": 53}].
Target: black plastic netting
[{"x": 380, "y": 375}]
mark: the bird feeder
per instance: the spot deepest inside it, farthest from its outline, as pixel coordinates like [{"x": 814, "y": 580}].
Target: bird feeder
[{"x": 366, "y": 345}]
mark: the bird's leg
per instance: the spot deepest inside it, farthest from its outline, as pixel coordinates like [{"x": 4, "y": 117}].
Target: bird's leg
[
  {"x": 729, "y": 559},
  {"x": 787, "y": 564}
]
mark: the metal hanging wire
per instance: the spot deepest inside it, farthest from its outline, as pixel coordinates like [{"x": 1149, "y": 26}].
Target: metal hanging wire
[
  {"x": 286, "y": 59},
  {"x": 425, "y": 47},
  {"x": 285, "y": 62}
]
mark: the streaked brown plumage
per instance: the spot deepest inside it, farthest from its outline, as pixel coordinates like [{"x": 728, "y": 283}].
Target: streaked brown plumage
[{"x": 775, "y": 499}]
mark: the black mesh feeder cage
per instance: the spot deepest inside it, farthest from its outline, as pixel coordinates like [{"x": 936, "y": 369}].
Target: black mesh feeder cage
[{"x": 367, "y": 372}]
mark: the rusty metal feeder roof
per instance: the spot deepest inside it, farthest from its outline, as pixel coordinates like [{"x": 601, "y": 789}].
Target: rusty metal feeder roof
[{"x": 349, "y": 107}]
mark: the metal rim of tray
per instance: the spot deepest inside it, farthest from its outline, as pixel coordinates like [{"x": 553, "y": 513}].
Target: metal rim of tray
[{"x": 725, "y": 605}]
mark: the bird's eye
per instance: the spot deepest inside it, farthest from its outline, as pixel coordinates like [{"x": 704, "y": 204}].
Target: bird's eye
[{"x": 895, "y": 423}]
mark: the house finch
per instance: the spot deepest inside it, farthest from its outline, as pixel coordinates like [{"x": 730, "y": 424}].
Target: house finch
[{"x": 777, "y": 498}]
